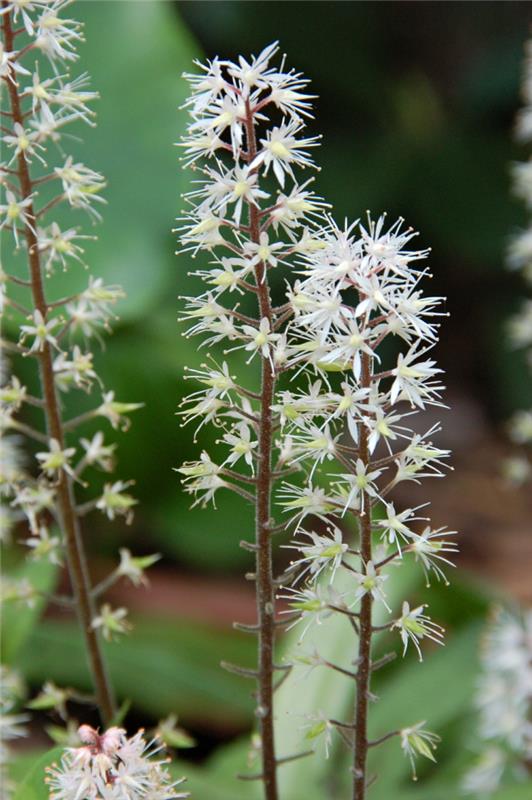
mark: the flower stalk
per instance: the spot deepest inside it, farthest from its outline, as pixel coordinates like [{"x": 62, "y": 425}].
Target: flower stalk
[
  {"x": 363, "y": 675},
  {"x": 77, "y": 562},
  {"x": 53, "y": 331},
  {"x": 265, "y": 592}
]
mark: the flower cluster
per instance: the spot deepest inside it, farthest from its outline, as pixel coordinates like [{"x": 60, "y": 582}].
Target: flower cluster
[
  {"x": 504, "y": 702},
  {"x": 340, "y": 425},
  {"x": 112, "y": 766},
  {"x": 41, "y": 98},
  {"x": 249, "y": 214},
  {"x": 11, "y": 722},
  {"x": 518, "y": 468},
  {"x": 348, "y": 431}
]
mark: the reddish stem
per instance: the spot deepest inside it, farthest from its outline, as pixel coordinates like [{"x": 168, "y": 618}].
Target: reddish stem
[
  {"x": 365, "y": 624},
  {"x": 264, "y": 581},
  {"x": 77, "y": 563}
]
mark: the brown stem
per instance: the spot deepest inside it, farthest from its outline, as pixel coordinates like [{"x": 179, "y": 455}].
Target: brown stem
[
  {"x": 77, "y": 563},
  {"x": 365, "y": 625},
  {"x": 264, "y": 578}
]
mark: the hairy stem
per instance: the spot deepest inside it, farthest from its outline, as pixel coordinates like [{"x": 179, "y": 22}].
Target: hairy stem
[
  {"x": 264, "y": 578},
  {"x": 365, "y": 625},
  {"x": 77, "y": 563}
]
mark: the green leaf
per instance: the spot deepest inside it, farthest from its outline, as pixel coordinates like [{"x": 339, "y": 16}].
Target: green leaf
[
  {"x": 428, "y": 691},
  {"x": 205, "y": 784},
  {"x": 322, "y": 691},
  {"x": 33, "y": 786},
  {"x": 164, "y": 665},
  {"x": 522, "y": 791},
  {"x": 121, "y": 714},
  {"x": 19, "y": 620}
]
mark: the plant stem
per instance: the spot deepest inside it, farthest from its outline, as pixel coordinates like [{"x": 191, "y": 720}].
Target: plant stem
[
  {"x": 77, "y": 563},
  {"x": 264, "y": 578},
  {"x": 365, "y": 624}
]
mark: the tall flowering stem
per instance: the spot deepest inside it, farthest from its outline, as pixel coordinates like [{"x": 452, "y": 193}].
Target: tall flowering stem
[
  {"x": 365, "y": 619},
  {"x": 354, "y": 288},
  {"x": 39, "y": 109},
  {"x": 233, "y": 107},
  {"x": 265, "y": 594},
  {"x": 361, "y": 287}
]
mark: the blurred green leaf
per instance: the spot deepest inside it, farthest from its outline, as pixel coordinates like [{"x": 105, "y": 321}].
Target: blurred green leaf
[
  {"x": 322, "y": 691},
  {"x": 205, "y": 784},
  {"x": 164, "y": 665},
  {"x": 18, "y": 619},
  {"x": 32, "y": 786},
  {"x": 522, "y": 791}
]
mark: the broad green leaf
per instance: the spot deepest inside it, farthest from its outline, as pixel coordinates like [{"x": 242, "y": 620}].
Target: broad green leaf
[
  {"x": 163, "y": 666},
  {"x": 322, "y": 691},
  {"x": 439, "y": 690},
  {"x": 521, "y": 791},
  {"x": 205, "y": 784},
  {"x": 32, "y": 786},
  {"x": 19, "y": 620}
]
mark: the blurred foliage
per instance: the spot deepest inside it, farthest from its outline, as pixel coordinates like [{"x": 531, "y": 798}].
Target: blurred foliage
[
  {"x": 415, "y": 118},
  {"x": 165, "y": 665},
  {"x": 416, "y": 106}
]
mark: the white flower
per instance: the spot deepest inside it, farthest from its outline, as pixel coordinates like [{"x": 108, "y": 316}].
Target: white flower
[
  {"x": 281, "y": 149},
  {"x": 323, "y": 552},
  {"x": 521, "y": 427},
  {"x": 254, "y": 72},
  {"x": 33, "y": 499},
  {"x": 9, "y": 65},
  {"x": 349, "y": 346},
  {"x": 394, "y": 525},
  {"x": 44, "y": 546},
  {"x": 14, "y": 211},
  {"x": 413, "y": 626},
  {"x": 262, "y": 251},
  {"x": 312, "y": 605},
  {"x": 57, "y": 38},
  {"x": 133, "y": 567},
  {"x": 317, "y": 727},
  {"x": 416, "y": 741},
  {"x": 201, "y": 478},
  {"x": 116, "y": 502},
  {"x": 112, "y": 622},
  {"x": 428, "y": 549},
  {"x": 241, "y": 444},
  {"x": 56, "y": 459},
  {"x": 60, "y": 245},
  {"x": 314, "y": 443},
  {"x": 41, "y": 331},
  {"x": 261, "y": 338},
  {"x": 23, "y": 142},
  {"x": 412, "y": 379},
  {"x": 370, "y": 582},
  {"x": 112, "y": 762},
  {"x": 116, "y": 411},
  {"x": 81, "y": 185},
  {"x": 97, "y": 453},
  {"x": 360, "y": 484},
  {"x": 77, "y": 371},
  {"x": 13, "y": 394},
  {"x": 309, "y": 500}
]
